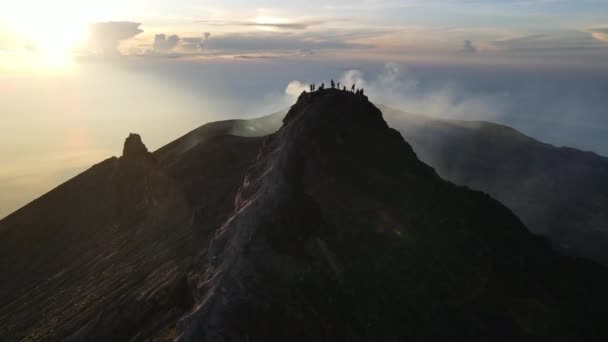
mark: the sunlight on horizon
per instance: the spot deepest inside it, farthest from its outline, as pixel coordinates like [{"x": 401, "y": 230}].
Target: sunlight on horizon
[{"x": 51, "y": 35}]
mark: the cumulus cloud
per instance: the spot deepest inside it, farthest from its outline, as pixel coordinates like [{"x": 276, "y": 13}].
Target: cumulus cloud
[
  {"x": 105, "y": 37},
  {"x": 469, "y": 47},
  {"x": 195, "y": 43},
  {"x": 164, "y": 43}
]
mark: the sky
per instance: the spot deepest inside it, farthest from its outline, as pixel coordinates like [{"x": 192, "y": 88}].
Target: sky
[
  {"x": 76, "y": 77},
  {"x": 556, "y": 32}
]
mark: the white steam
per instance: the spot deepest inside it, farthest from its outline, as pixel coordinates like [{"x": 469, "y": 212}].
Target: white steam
[{"x": 397, "y": 88}]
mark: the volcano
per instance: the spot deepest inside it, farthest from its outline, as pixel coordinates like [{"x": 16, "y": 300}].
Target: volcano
[{"x": 330, "y": 229}]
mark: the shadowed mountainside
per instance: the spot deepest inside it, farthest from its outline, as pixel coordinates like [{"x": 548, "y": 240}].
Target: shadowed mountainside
[
  {"x": 561, "y": 193},
  {"x": 341, "y": 234},
  {"x": 330, "y": 229},
  {"x": 106, "y": 255}
]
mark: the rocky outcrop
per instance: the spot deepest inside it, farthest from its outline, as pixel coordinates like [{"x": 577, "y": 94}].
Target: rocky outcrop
[
  {"x": 134, "y": 147},
  {"x": 111, "y": 255}
]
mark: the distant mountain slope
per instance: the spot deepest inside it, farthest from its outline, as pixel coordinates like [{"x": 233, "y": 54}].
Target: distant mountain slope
[
  {"x": 257, "y": 127},
  {"x": 561, "y": 193}
]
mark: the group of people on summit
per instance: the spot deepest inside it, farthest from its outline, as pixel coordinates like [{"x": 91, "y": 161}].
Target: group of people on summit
[{"x": 336, "y": 85}]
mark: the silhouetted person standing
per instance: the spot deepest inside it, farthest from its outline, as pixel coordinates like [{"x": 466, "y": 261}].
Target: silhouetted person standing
[
  {"x": 338, "y": 85},
  {"x": 333, "y": 85},
  {"x": 353, "y": 88},
  {"x": 344, "y": 88},
  {"x": 322, "y": 86}
]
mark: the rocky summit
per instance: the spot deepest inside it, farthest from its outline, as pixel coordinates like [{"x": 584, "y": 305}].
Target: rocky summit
[{"x": 330, "y": 229}]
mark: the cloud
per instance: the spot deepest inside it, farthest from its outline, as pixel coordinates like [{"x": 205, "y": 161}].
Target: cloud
[
  {"x": 277, "y": 42},
  {"x": 296, "y": 25},
  {"x": 565, "y": 41},
  {"x": 245, "y": 45},
  {"x": 171, "y": 46},
  {"x": 195, "y": 43},
  {"x": 105, "y": 37},
  {"x": 164, "y": 43},
  {"x": 600, "y": 34},
  {"x": 469, "y": 47},
  {"x": 249, "y": 45}
]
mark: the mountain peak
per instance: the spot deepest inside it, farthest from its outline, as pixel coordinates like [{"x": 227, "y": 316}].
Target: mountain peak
[
  {"x": 334, "y": 198},
  {"x": 332, "y": 98},
  {"x": 134, "y": 146}
]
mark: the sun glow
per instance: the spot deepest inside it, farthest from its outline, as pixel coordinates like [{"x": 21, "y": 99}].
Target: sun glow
[
  {"x": 57, "y": 44},
  {"x": 49, "y": 32}
]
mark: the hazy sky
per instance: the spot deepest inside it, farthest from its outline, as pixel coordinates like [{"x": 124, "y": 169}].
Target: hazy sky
[
  {"x": 77, "y": 76},
  {"x": 558, "y": 32}
]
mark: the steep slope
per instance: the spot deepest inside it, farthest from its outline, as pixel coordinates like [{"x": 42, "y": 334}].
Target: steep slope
[
  {"x": 561, "y": 193},
  {"x": 107, "y": 255},
  {"x": 68, "y": 258},
  {"x": 342, "y": 234}
]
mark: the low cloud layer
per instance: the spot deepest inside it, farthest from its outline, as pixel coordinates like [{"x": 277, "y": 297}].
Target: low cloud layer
[
  {"x": 294, "y": 25},
  {"x": 277, "y": 42},
  {"x": 562, "y": 42},
  {"x": 106, "y": 40},
  {"x": 269, "y": 39}
]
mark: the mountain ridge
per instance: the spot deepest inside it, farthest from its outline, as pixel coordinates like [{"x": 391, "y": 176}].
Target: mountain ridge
[{"x": 464, "y": 151}]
